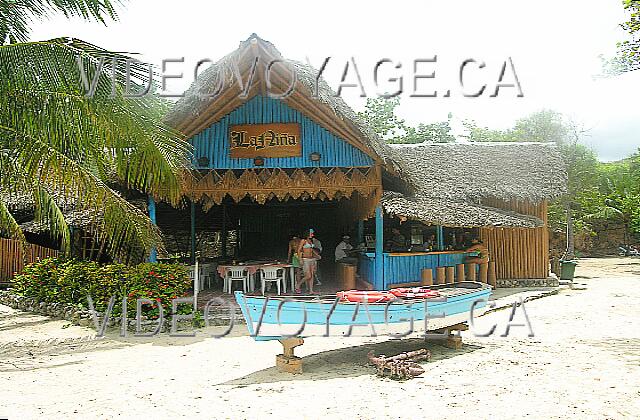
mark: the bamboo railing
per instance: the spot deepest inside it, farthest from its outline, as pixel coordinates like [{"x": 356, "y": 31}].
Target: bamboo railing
[{"x": 13, "y": 258}]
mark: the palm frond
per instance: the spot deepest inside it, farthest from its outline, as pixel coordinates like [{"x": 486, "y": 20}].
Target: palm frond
[
  {"x": 16, "y": 15},
  {"x": 69, "y": 145}
]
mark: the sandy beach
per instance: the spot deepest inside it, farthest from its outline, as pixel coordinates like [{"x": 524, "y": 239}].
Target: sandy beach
[{"x": 583, "y": 362}]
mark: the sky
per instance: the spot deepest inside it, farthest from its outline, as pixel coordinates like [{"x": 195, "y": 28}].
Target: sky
[{"x": 554, "y": 47}]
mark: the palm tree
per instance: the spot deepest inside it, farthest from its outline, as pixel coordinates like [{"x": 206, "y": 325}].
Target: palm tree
[{"x": 57, "y": 144}]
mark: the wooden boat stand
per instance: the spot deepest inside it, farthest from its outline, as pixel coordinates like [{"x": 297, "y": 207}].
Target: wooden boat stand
[
  {"x": 287, "y": 361},
  {"x": 452, "y": 340},
  {"x": 290, "y": 363}
]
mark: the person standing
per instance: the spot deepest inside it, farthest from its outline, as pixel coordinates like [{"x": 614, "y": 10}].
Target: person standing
[
  {"x": 309, "y": 262},
  {"x": 292, "y": 256},
  {"x": 317, "y": 247}
]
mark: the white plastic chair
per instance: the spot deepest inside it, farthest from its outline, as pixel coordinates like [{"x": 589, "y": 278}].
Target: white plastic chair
[
  {"x": 273, "y": 274},
  {"x": 236, "y": 274},
  {"x": 208, "y": 274}
]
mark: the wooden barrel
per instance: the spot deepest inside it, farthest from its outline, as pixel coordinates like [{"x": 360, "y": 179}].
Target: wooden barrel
[
  {"x": 427, "y": 277},
  {"x": 484, "y": 269},
  {"x": 450, "y": 274},
  {"x": 460, "y": 272},
  {"x": 471, "y": 271},
  {"x": 349, "y": 276}
]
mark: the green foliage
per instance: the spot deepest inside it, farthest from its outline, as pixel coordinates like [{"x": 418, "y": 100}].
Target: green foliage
[
  {"x": 159, "y": 282},
  {"x": 15, "y": 15},
  {"x": 478, "y": 133},
  {"x": 70, "y": 282},
  {"x": 380, "y": 115},
  {"x": 628, "y": 51},
  {"x": 545, "y": 126},
  {"x": 58, "y": 145}
]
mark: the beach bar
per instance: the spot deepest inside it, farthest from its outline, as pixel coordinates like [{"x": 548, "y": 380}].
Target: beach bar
[
  {"x": 277, "y": 152},
  {"x": 285, "y": 154}
]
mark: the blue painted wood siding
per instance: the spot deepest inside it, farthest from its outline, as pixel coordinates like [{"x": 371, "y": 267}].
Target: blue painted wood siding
[
  {"x": 213, "y": 142},
  {"x": 406, "y": 268}
]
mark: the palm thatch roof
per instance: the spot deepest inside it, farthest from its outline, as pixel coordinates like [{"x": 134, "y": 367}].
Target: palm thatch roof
[
  {"x": 202, "y": 103},
  {"x": 530, "y": 172},
  {"x": 22, "y": 207},
  {"x": 450, "y": 180},
  {"x": 444, "y": 212}
]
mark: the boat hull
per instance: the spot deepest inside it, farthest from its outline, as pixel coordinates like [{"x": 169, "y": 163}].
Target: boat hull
[{"x": 273, "y": 318}]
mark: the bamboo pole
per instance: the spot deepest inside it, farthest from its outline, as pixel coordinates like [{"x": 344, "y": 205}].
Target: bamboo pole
[
  {"x": 427, "y": 277},
  {"x": 491, "y": 275},
  {"x": 460, "y": 272}
]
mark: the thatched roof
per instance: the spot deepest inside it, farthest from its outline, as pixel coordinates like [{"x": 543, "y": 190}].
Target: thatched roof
[
  {"x": 205, "y": 91},
  {"x": 450, "y": 180},
  {"x": 22, "y": 207},
  {"x": 444, "y": 212},
  {"x": 472, "y": 171}
]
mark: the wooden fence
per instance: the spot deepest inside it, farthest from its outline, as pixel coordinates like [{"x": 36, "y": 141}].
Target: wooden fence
[{"x": 12, "y": 259}]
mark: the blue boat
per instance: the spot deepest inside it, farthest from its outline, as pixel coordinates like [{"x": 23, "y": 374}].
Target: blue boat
[{"x": 279, "y": 317}]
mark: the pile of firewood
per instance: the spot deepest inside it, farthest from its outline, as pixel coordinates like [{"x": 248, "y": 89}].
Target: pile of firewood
[{"x": 401, "y": 366}]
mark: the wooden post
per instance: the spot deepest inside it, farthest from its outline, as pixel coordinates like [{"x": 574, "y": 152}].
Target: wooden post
[
  {"x": 471, "y": 271},
  {"x": 378, "y": 277},
  {"x": 484, "y": 268},
  {"x": 460, "y": 272},
  {"x": 491, "y": 278},
  {"x": 450, "y": 274},
  {"x": 440, "y": 238},
  {"x": 223, "y": 233},
  {"x": 193, "y": 232},
  {"x": 287, "y": 361},
  {"x": 427, "y": 277},
  {"x": 440, "y": 275},
  {"x": 153, "y": 255}
]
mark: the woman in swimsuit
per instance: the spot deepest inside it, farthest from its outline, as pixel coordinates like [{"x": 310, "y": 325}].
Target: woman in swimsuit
[
  {"x": 309, "y": 262},
  {"x": 292, "y": 256}
]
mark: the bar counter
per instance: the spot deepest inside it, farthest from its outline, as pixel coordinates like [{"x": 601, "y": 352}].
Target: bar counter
[{"x": 406, "y": 267}]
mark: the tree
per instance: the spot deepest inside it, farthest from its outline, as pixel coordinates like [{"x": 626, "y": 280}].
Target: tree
[
  {"x": 620, "y": 191},
  {"x": 484, "y": 134},
  {"x": 545, "y": 126},
  {"x": 56, "y": 144},
  {"x": 380, "y": 115},
  {"x": 581, "y": 163},
  {"x": 627, "y": 57}
]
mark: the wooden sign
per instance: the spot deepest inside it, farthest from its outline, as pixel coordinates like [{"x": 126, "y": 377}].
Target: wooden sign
[{"x": 265, "y": 140}]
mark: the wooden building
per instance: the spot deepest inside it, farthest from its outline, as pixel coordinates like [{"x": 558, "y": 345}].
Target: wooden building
[
  {"x": 500, "y": 189},
  {"x": 332, "y": 173},
  {"x": 277, "y": 152}
]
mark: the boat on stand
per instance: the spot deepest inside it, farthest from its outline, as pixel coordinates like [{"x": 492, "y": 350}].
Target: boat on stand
[{"x": 395, "y": 313}]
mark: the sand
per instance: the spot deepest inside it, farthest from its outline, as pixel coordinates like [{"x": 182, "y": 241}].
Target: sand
[{"x": 583, "y": 362}]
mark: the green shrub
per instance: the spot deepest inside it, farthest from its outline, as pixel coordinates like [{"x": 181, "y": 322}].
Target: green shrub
[{"x": 71, "y": 281}]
